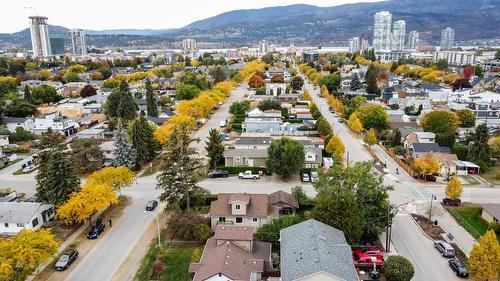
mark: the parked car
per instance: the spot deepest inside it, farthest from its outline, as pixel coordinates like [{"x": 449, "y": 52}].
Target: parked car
[
  {"x": 66, "y": 260},
  {"x": 366, "y": 261},
  {"x": 218, "y": 174},
  {"x": 335, "y": 115},
  {"x": 29, "y": 169},
  {"x": 305, "y": 177},
  {"x": 459, "y": 268},
  {"x": 371, "y": 251},
  {"x": 451, "y": 202},
  {"x": 151, "y": 205},
  {"x": 223, "y": 123},
  {"x": 340, "y": 120},
  {"x": 248, "y": 175},
  {"x": 314, "y": 176},
  {"x": 331, "y": 109},
  {"x": 96, "y": 230},
  {"x": 444, "y": 248}
]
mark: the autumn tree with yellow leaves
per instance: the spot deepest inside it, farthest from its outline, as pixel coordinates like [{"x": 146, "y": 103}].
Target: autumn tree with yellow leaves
[
  {"x": 22, "y": 254},
  {"x": 116, "y": 177},
  {"x": 324, "y": 91},
  {"x": 371, "y": 137},
  {"x": 426, "y": 165},
  {"x": 454, "y": 189},
  {"x": 484, "y": 260},
  {"x": 335, "y": 147},
  {"x": 162, "y": 133},
  {"x": 355, "y": 124}
]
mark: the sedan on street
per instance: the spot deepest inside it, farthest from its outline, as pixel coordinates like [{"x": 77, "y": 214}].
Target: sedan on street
[
  {"x": 151, "y": 205},
  {"x": 444, "y": 248},
  {"x": 459, "y": 268},
  {"x": 96, "y": 230},
  {"x": 218, "y": 174},
  {"x": 66, "y": 259}
]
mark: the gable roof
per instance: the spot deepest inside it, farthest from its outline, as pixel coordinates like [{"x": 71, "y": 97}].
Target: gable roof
[
  {"x": 311, "y": 246},
  {"x": 492, "y": 209},
  {"x": 429, "y": 147},
  {"x": 234, "y": 232},
  {"x": 283, "y": 197},
  {"x": 258, "y": 206},
  {"x": 20, "y": 212},
  {"x": 253, "y": 141},
  {"x": 243, "y": 197}
]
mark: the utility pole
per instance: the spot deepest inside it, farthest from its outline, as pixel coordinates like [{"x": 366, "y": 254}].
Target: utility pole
[
  {"x": 430, "y": 210},
  {"x": 387, "y": 226}
]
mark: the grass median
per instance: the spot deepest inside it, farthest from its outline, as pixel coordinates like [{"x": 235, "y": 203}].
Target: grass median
[{"x": 468, "y": 215}]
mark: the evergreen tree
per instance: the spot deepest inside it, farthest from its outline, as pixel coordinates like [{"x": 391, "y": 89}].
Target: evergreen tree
[
  {"x": 371, "y": 81},
  {"x": 141, "y": 135},
  {"x": 479, "y": 150},
  {"x": 125, "y": 154},
  {"x": 27, "y": 94},
  {"x": 181, "y": 170},
  {"x": 152, "y": 107},
  {"x": 355, "y": 83},
  {"x": 56, "y": 177},
  {"x": 52, "y": 140},
  {"x": 219, "y": 75},
  {"x": 127, "y": 108},
  {"x": 214, "y": 147}
]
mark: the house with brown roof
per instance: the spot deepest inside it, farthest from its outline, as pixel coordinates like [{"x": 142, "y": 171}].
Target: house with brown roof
[
  {"x": 231, "y": 254},
  {"x": 250, "y": 210}
]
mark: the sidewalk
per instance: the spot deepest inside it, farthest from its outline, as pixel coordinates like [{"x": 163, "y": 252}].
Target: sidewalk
[{"x": 461, "y": 236}]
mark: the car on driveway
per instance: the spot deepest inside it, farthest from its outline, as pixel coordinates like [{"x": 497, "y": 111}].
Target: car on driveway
[
  {"x": 314, "y": 176},
  {"x": 66, "y": 260},
  {"x": 218, "y": 174},
  {"x": 371, "y": 251},
  {"x": 361, "y": 260},
  {"x": 151, "y": 205},
  {"x": 305, "y": 177},
  {"x": 459, "y": 268},
  {"x": 29, "y": 169},
  {"x": 444, "y": 248},
  {"x": 96, "y": 230},
  {"x": 248, "y": 175}
]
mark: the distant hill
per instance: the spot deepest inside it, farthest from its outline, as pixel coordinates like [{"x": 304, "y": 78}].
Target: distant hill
[{"x": 309, "y": 25}]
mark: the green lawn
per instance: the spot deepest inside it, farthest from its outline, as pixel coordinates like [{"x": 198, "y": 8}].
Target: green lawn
[
  {"x": 469, "y": 217},
  {"x": 176, "y": 259},
  {"x": 492, "y": 175}
]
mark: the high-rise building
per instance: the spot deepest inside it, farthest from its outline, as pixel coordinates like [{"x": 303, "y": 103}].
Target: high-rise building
[
  {"x": 40, "y": 36},
  {"x": 447, "y": 38},
  {"x": 189, "y": 44},
  {"x": 57, "y": 45},
  {"x": 398, "y": 35},
  {"x": 354, "y": 45},
  {"x": 263, "y": 47},
  {"x": 413, "y": 40},
  {"x": 77, "y": 39},
  {"x": 382, "y": 31},
  {"x": 363, "y": 45}
]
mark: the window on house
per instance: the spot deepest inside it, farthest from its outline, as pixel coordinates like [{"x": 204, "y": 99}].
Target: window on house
[
  {"x": 6, "y": 224},
  {"x": 239, "y": 220},
  {"x": 254, "y": 219},
  {"x": 20, "y": 224},
  {"x": 222, "y": 219},
  {"x": 34, "y": 222},
  {"x": 238, "y": 159},
  {"x": 238, "y": 207}
]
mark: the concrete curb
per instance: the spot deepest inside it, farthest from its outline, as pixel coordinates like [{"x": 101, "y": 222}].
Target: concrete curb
[{"x": 420, "y": 228}]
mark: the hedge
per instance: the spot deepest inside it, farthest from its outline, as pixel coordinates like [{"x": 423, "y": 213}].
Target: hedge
[
  {"x": 240, "y": 115},
  {"x": 237, "y": 170},
  {"x": 293, "y": 120},
  {"x": 237, "y": 120},
  {"x": 235, "y": 126}
]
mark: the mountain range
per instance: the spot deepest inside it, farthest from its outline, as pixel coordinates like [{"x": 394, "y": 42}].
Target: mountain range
[{"x": 303, "y": 24}]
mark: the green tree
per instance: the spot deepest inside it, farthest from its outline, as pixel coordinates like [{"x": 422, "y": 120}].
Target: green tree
[
  {"x": 127, "y": 108},
  {"x": 301, "y": 196},
  {"x": 151, "y": 103},
  {"x": 270, "y": 232},
  {"x": 106, "y": 72},
  {"x": 398, "y": 268},
  {"x": 373, "y": 116},
  {"x": 331, "y": 81},
  {"x": 323, "y": 127},
  {"x": 21, "y": 135},
  {"x": 466, "y": 118},
  {"x": 355, "y": 83},
  {"x": 141, "y": 134},
  {"x": 442, "y": 64},
  {"x": 285, "y": 157},
  {"x": 181, "y": 171},
  {"x": 125, "y": 154},
  {"x": 56, "y": 178},
  {"x": 88, "y": 155},
  {"x": 27, "y": 94},
  {"x": 111, "y": 105},
  {"x": 44, "y": 94},
  {"x": 269, "y": 104},
  {"x": 186, "y": 92},
  {"x": 7, "y": 85},
  {"x": 214, "y": 147},
  {"x": 20, "y": 108},
  {"x": 52, "y": 140},
  {"x": 239, "y": 107},
  {"x": 478, "y": 148},
  {"x": 440, "y": 122},
  {"x": 218, "y": 75},
  {"x": 371, "y": 80},
  {"x": 297, "y": 83}
]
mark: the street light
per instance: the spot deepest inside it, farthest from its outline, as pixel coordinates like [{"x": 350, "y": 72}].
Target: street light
[
  {"x": 158, "y": 226},
  {"x": 430, "y": 210}
]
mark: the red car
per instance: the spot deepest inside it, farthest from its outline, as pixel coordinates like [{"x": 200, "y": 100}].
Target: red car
[
  {"x": 365, "y": 260},
  {"x": 372, "y": 251}
]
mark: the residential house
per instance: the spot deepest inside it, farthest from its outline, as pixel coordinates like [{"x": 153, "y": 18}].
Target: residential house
[
  {"x": 418, "y": 150},
  {"x": 259, "y": 121},
  {"x": 156, "y": 120},
  {"x": 57, "y": 123},
  {"x": 275, "y": 89},
  {"x": 419, "y": 137},
  {"x": 16, "y": 216},
  {"x": 464, "y": 168},
  {"x": 447, "y": 163},
  {"x": 27, "y": 123},
  {"x": 253, "y": 210},
  {"x": 4, "y": 141},
  {"x": 93, "y": 133},
  {"x": 314, "y": 251},
  {"x": 232, "y": 255},
  {"x": 108, "y": 150},
  {"x": 491, "y": 212},
  {"x": 436, "y": 93}
]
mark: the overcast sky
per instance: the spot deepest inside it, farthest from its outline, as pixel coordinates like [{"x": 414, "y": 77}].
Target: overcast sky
[{"x": 138, "y": 14}]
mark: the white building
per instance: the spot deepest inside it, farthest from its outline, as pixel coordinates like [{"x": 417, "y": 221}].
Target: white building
[
  {"x": 447, "y": 38},
  {"x": 382, "y": 31},
  {"x": 354, "y": 45},
  {"x": 398, "y": 35},
  {"x": 78, "y": 45},
  {"x": 16, "y": 216},
  {"x": 263, "y": 47},
  {"x": 40, "y": 37},
  {"x": 413, "y": 40},
  {"x": 189, "y": 44},
  {"x": 456, "y": 57},
  {"x": 364, "y": 45},
  {"x": 386, "y": 56},
  {"x": 56, "y": 123}
]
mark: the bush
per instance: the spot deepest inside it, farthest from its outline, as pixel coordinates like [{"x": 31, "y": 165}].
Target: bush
[
  {"x": 398, "y": 268},
  {"x": 183, "y": 224},
  {"x": 20, "y": 149},
  {"x": 202, "y": 232},
  {"x": 301, "y": 196},
  {"x": 21, "y": 135},
  {"x": 237, "y": 170},
  {"x": 483, "y": 166},
  {"x": 238, "y": 120},
  {"x": 196, "y": 256},
  {"x": 495, "y": 226}
]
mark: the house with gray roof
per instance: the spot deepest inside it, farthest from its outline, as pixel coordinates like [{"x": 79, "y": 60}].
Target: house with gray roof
[
  {"x": 16, "y": 216},
  {"x": 490, "y": 212},
  {"x": 312, "y": 250},
  {"x": 417, "y": 150}
]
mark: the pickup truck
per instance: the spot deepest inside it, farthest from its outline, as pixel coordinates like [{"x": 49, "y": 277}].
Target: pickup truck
[{"x": 248, "y": 175}]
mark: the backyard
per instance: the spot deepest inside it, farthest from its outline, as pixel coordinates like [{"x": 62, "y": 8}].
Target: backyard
[{"x": 468, "y": 215}]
